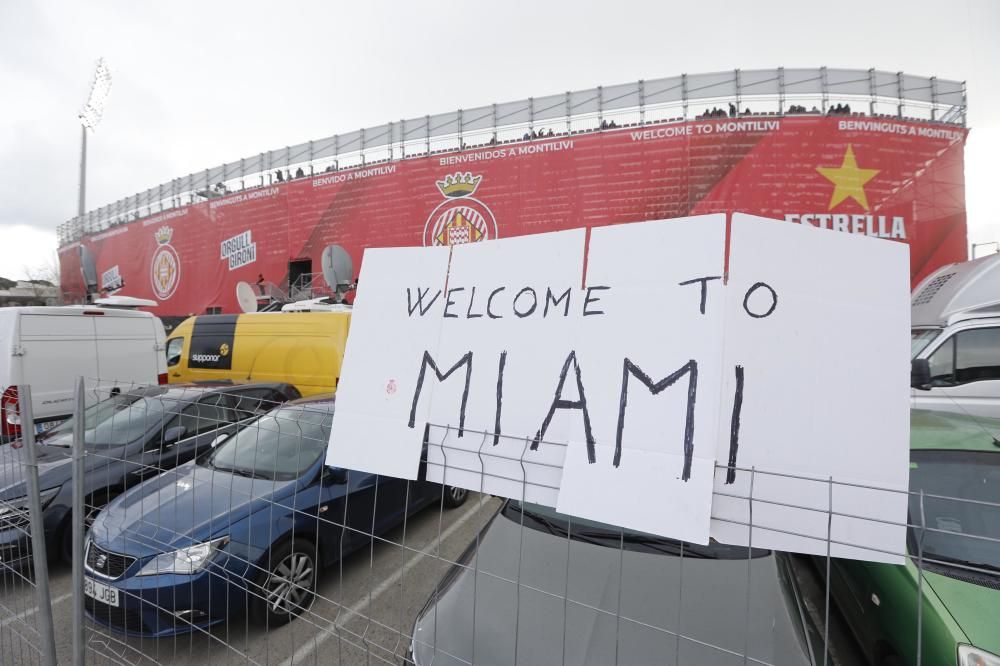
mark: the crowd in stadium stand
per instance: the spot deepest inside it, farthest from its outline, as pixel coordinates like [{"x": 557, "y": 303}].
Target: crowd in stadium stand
[{"x": 715, "y": 112}]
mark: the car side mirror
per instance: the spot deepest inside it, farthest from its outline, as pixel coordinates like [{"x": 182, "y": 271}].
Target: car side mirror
[
  {"x": 219, "y": 440},
  {"x": 920, "y": 374},
  {"x": 172, "y": 435},
  {"x": 334, "y": 475}
]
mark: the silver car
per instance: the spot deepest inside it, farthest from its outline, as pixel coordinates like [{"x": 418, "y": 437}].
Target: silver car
[{"x": 591, "y": 593}]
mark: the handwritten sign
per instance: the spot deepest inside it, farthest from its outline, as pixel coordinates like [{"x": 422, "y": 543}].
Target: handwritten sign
[{"x": 607, "y": 375}]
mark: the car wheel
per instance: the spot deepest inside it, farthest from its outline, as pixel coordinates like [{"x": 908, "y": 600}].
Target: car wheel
[
  {"x": 455, "y": 497},
  {"x": 286, "y": 586}
]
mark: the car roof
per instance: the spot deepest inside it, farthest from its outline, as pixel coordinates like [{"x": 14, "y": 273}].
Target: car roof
[
  {"x": 193, "y": 390},
  {"x": 936, "y": 430},
  {"x": 318, "y": 399}
]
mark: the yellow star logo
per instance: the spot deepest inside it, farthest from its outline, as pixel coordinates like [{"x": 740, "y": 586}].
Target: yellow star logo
[{"x": 848, "y": 180}]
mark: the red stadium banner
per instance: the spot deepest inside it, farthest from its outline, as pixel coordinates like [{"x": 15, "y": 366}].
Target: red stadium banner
[{"x": 898, "y": 180}]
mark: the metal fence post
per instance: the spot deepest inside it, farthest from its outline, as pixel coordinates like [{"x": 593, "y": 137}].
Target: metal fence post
[
  {"x": 47, "y": 649},
  {"x": 78, "y": 523}
]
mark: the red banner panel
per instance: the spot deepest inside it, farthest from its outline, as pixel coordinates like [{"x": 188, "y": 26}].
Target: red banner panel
[{"x": 902, "y": 181}]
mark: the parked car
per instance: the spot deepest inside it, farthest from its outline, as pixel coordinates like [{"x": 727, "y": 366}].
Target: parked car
[
  {"x": 247, "y": 526},
  {"x": 955, "y": 339},
  {"x": 951, "y": 456},
  {"x": 129, "y": 437},
  {"x": 539, "y": 587},
  {"x": 49, "y": 347}
]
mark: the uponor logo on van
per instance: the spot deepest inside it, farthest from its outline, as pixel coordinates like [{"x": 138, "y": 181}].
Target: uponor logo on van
[{"x": 205, "y": 358}]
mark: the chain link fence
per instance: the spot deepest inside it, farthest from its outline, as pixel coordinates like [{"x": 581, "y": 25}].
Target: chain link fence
[{"x": 215, "y": 533}]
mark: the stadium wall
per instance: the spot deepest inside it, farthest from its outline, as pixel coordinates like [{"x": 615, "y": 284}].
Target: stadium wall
[{"x": 896, "y": 179}]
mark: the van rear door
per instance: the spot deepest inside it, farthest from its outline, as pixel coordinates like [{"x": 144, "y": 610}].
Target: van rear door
[
  {"x": 127, "y": 351},
  {"x": 54, "y": 350}
]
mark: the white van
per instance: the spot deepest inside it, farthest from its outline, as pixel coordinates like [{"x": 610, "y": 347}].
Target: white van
[
  {"x": 955, "y": 339},
  {"x": 47, "y": 348}
]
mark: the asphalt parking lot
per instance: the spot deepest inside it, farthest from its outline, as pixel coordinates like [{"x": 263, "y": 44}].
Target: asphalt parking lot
[{"x": 372, "y": 600}]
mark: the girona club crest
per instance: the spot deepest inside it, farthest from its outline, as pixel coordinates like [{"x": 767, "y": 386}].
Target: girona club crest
[
  {"x": 165, "y": 269},
  {"x": 460, "y": 218}
]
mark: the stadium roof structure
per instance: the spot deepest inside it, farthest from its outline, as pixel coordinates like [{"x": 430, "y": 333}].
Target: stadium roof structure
[{"x": 769, "y": 92}]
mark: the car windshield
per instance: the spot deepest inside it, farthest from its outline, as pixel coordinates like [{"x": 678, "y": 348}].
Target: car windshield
[
  {"x": 962, "y": 531},
  {"x": 546, "y": 519},
  {"x": 920, "y": 338},
  {"x": 116, "y": 421},
  {"x": 280, "y": 446}
]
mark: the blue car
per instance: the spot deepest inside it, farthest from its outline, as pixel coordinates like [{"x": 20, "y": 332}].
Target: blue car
[{"x": 248, "y": 525}]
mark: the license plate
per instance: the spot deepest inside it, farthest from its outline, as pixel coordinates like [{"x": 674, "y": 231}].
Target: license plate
[
  {"x": 101, "y": 592},
  {"x": 46, "y": 426}
]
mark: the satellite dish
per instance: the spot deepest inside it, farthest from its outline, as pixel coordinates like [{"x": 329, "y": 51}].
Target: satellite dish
[
  {"x": 88, "y": 268},
  {"x": 338, "y": 269},
  {"x": 246, "y": 297}
]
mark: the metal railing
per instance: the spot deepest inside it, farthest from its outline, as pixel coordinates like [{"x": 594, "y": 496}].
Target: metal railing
[{"x": 771, "y": 92}]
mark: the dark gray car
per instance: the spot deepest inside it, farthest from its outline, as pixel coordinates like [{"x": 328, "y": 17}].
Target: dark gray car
[
  {"x": 129, "y": 437},
  {"x": 571, "y": 609}
]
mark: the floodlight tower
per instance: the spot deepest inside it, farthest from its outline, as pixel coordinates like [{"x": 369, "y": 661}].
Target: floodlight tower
[{"x": 90, "y": 116}]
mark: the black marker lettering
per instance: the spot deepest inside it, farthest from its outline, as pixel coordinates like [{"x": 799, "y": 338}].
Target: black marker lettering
[
  {"x": 746, "y": 300},
  {"x": 496, "y": 423},
  {"x": 704, "y": 288},
  {"x": 451, "y": 303},
  {"x": 559, "y": 403},
  {"x": 420, "y": 300},
  {"x": 587, "y": 301},
  {"x": 734, "y": 426},
  {"x": 489, "y": 303},
  {"x": 472, "y": 299},
  {"x": 428, "y": 361},
  {"x": 690, "y": 368},
  {"x": 534, "y": 302},
  {"x": 556, "y": 301}
]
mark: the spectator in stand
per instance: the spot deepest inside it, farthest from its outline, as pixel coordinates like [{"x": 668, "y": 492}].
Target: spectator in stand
[
  {"x": 281, "y": 178},
  {"x": 551, "y": 133},
  {"x": 732, "y": 110},
  {"x": 299, "y": 173},
  {"x": 847, "y": 109}
]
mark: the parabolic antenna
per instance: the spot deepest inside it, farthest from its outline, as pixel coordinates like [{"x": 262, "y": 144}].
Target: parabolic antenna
[
  {"x": 88, "y": 268},
  {"x": 246, "y": 297},
  {"x": 338, "y": 269}
]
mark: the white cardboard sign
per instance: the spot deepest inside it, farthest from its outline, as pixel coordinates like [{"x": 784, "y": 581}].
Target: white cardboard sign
[
  {"x": 825, "y": 391},
  {"x": 606, "y": 377}
]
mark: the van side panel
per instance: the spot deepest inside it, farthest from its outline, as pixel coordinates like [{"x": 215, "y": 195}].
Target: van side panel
[
  {"x": 126, "y": 352},
  {"x": 213, "y": 342},
  {"x": 57, "y": 350},
  {"x": 302, "y": 349}
]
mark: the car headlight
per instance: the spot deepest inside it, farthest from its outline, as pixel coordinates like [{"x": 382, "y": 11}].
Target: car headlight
[
  {"x": 973, "y": 656},
  {"x": 20, "y": 504},
  {"x": 184, "y": 561}
]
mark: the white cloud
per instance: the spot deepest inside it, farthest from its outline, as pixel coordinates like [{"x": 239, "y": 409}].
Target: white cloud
[{"x": 26, "y": 251}]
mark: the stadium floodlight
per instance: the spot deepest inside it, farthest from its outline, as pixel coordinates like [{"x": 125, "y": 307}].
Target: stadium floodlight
[
  {"x": 90, "y": 116},
  {"x": 92, "y": 111}
]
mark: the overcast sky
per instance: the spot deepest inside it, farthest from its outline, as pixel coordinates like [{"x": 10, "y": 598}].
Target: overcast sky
[{"x": 197, "y": 84}]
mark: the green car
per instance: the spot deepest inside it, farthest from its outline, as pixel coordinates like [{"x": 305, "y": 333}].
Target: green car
[{"x": 950, "y": 456}]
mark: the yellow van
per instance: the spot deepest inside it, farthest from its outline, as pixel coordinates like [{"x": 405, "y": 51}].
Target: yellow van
[{"x": 304, "y": 349}]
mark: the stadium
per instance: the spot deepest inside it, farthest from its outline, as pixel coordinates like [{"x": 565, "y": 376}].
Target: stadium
[{"x": 856, "y": 151}]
